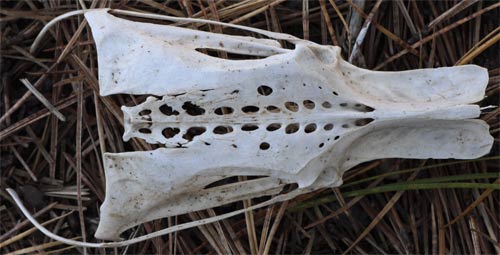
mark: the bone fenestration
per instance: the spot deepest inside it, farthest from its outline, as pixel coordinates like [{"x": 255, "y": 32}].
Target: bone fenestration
[
  {"x": 328, "y": 116},
  {"x": 337, "y": 116}
]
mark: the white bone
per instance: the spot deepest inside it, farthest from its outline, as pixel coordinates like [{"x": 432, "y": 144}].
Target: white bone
[
  {"x": 413, "y": 114},
  {"x": 337, "y": 116}
]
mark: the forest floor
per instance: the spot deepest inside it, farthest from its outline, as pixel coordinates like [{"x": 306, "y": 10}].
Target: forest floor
[{"x": 52, "y": 156}]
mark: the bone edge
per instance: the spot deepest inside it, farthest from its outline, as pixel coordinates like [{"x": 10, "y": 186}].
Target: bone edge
[
  {"x": 278, "y": 36},
  {"x": 169, "y": 230},
  {"x": 274, "y": 35}
]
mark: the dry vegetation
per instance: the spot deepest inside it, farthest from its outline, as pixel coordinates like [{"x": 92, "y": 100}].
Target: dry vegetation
[{"x": 385, "y": 206}]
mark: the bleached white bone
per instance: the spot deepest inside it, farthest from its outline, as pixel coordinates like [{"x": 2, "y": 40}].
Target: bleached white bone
[{"x": 301, "y": 116}]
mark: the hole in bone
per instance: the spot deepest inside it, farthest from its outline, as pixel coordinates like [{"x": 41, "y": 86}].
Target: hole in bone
[
  {"x": 264, "y": 146},
  {"x": 336, "y": 138},
  {"x": 292, "y": 128},
  {"x": 144, "y": 112},
  {"x": 250, "y": 109},
  {"x": 231, "y": 180},
  {"x": 265, "y": 90},
  {"x": 167, "y": 110},
  {"x": 273, "y": 126},
  {"x": 176, "y": 95},
  {"x": 363, "y": 108},
  {"x": 289, "y": 188},
  {"x": 343, "y": 104},
  {"x": 170, "y": 132},
  {"x": 310, "y": 128},
  {"x": 321, "y": 145},
  {"x": 223, "y": 110},
  {"x": 273, "y": 109},
  {"x": 328, "y": 126},
  {"x": 292, "y": 106},
  {"x": 218, "y": 53},
  {"x": 249, "y": 127},
  {"x": 345, "y": 126},
  {"x": 192, "y": 132},
  {"x": 192, "y": 109},
  {"x": 220, "y": 130},
  {"x": 145, "y": 130},
  {"x": 308, "y": 104},
  {"x": 363, "y": 122},
  {"x": 222, "y": 182},
  {"x": 326, "y": 105},
  {"x": 368, "y": 109},
  {"x": 335, "y": 93}
]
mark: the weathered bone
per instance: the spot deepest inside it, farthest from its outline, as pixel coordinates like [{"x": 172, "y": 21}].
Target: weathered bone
[{"x": 301, "y": 116}]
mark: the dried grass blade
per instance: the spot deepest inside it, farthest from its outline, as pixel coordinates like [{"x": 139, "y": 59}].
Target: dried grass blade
[
  {"x": 256, "y": 12},
  {"x": 474, "y": 204},
  {"x": 250, "y": 223},
  {"x": 343, "y": 209},
  {"x": 493, "y": 241},
  {"x": 384, "y": 30},
  {"x": 72, "y": 41},
  {"x": 163, "y": 8},
  {"x": 100, "y": 133},
  {"x": 469, "y": 56},
  {"x": 475, "y": 237},
  {"x": 58, "y": 251},
  {"x": 265, "y": 228},
  {"x": 406, "y": 15},
  {"x": 42, "y": 99},
  {"x": 436, "y": 34},
  {"x": 341, "y": 17},
  {"x": 24, "y": 164},
  {"x": 78, "y": 151},
  {"x": 39, "y": 145},
  {"x": 30, "y": 57},
  {"x": 25, "y": 222},
  {"x": 487, "y": 222},
  {"x": 381, "y": 214},
  {"x": 37, "y": 248},
  {"x": 328, "y": 21},
  {"x": 30, "y": 231},
  {"x": 452, "y": 11},
  {"x": 310, "y": 243},
  {"x": 362, "y": 33}
]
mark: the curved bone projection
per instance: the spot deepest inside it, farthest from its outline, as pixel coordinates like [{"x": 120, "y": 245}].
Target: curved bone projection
[{"x": 301, "y": 116}]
